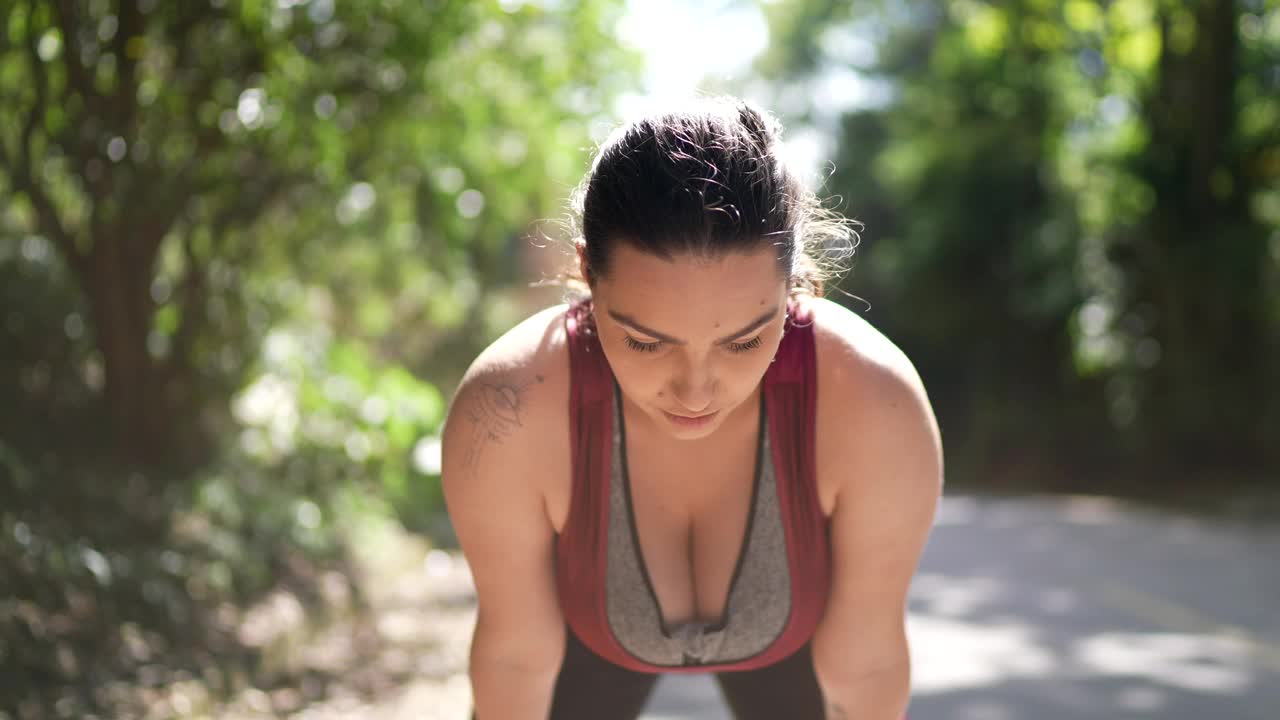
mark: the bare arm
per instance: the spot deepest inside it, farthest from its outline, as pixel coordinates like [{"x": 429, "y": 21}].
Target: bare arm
[
  {"x": 891, "y": 478},
  {"x": 498, "y": 511}
]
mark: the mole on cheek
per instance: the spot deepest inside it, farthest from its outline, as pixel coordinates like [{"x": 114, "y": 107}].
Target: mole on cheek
[{"x": 661, "y": 394}]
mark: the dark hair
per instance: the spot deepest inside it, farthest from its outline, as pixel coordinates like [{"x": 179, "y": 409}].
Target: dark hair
[{"x": 706, "y": 178}]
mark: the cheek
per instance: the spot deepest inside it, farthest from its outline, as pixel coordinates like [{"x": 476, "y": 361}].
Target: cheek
[
  {"x": 752, "y": 369},
  {"x": 636, "y": 372},
  {"x": 644, "y": 382}
]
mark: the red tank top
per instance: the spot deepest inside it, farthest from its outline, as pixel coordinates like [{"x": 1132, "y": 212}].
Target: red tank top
[{"x": 583, "y": 547}]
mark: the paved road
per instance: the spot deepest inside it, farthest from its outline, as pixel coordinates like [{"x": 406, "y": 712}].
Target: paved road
[{"x": 1073, "y": 608}]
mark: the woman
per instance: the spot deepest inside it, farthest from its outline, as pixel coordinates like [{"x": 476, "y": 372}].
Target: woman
[{"x": 701, "y": 466}]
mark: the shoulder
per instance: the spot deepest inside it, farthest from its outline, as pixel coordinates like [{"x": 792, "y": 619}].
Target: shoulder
[
  {"x": 511, "y": 402},
  {"x": 536, "y": 344},
  {"x": 875, "y": 420},
  {"x": 853, "y": 353}
]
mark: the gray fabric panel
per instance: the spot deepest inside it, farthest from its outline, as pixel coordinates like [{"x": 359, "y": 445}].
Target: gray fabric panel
[
  {"x": 759, "y": 600},
  {"x": 633, "y": 618},
  {"x": 760, "y": 603}
]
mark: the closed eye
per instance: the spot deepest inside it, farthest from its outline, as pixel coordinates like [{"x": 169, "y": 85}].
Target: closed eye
[
  {"x": 639, "y": 346},
  {"x": 751, "y": 344}
]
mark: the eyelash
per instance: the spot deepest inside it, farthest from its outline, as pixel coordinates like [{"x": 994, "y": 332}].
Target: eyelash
[{"x": 638, "y": 346}]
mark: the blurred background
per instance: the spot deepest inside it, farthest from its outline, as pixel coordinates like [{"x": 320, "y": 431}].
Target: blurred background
[{"x": 248, "y": 247}]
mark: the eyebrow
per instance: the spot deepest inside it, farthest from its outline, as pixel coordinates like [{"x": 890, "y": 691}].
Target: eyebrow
[{"x": 753, "y": 325}]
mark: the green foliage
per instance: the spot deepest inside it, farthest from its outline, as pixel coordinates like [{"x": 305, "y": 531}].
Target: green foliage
[
  {"x": 1069, "y": 223},
  {"x": 322, "y": 416},
  {"x": 201, "y": 168},
  {"x": 244, "y": 248}
]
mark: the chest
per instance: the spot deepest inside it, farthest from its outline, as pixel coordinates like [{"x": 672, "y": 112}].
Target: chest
[
  {"x": 690, "y": 509},
  {"x": 691, "y": 513}
]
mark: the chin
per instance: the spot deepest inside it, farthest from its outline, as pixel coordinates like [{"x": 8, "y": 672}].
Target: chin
[{"x": 693, "y": 433}]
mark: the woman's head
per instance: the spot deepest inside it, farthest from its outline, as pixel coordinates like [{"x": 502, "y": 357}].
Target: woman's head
[
  {"x": 705, "y": 179},
  {"x": 694, "y": 233}
]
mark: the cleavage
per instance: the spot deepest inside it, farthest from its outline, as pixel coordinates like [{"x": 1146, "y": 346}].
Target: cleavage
[{"x": 691, "y": 514}]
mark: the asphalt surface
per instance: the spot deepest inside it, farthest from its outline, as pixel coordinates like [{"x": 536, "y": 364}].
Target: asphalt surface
[{"x": 1072, "y": 608}]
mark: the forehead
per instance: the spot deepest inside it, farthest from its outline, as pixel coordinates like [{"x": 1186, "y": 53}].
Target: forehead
[{"x": 682, "y": 291}]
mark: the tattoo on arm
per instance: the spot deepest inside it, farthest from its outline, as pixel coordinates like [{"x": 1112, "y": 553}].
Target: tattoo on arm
[
  {"x": 494, "y": 416},
  {"x": 835, "y": 712}
]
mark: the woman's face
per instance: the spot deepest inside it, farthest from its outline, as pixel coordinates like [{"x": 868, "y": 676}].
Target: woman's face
[{"x": 689, "y": 339}]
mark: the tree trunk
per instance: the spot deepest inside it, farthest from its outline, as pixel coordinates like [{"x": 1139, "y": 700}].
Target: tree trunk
[
  {"x": 134, "y": 389},
  {"x": 1199, "y": 259}
]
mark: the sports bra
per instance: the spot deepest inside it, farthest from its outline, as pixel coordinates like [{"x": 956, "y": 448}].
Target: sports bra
[{"x": 779, "y": 586}]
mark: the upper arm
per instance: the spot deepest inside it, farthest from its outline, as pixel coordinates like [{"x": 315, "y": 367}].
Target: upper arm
[
  {"x": 496, "y": 502},
  {"x": 890, "y": 478}
]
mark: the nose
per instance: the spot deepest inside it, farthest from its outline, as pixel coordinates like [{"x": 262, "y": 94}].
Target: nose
[{"x": 694, "y": 388}]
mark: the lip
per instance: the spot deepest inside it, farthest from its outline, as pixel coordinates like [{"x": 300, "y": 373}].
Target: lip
[{"x": 691, "y": 422}]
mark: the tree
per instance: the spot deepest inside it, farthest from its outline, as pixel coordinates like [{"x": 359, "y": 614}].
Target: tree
[
  {"x": 1069, "y": 211},
  {"x": 193, "y": 163},
  {"x": 1199, "y": 258},
  {"x": 212, "y": 205}
]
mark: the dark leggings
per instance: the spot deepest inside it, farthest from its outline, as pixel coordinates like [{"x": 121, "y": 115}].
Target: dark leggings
[{"x": 590, "y": 687}]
